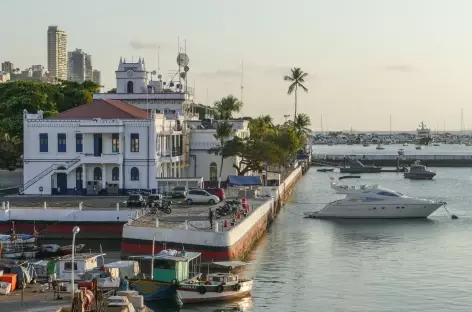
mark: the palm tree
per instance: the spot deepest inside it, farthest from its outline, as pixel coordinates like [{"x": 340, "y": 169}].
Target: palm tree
[
  {"x": 297, "y": 80},
  {"x": 227, "y": 105},
  {"x": 301, "y": 124},
  {"x": 224, "y": 132}
]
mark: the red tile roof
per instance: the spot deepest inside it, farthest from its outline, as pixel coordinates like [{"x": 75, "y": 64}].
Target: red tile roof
[{"x": 105, "y": 109}]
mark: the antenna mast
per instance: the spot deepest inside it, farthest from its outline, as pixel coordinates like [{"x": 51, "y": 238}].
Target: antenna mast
[
  {"x": 462, "y": 121},
  {"x": 321, "y": 124}
]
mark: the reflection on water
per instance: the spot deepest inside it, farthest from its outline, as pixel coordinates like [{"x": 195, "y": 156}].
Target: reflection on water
[{"x": 244, "y": 304}]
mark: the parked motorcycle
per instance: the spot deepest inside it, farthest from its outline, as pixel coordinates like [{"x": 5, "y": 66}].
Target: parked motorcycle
[{"x": 161, "y": 205}]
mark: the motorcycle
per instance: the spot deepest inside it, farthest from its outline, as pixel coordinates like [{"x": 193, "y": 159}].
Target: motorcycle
[{"x": 162, "y": 205}]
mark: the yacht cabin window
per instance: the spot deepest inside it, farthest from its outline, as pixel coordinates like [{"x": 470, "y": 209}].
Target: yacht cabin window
[{"x": 385, "y": 193}]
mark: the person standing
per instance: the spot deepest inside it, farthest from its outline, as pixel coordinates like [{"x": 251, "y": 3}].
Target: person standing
[
  {"x": 210, "y": 217},
  {"x": 124, "y": 284},
  {"x": 51, "y": 270}
]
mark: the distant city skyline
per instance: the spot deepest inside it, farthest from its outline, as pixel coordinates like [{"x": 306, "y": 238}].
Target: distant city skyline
[{"x": 366, "y": 59}]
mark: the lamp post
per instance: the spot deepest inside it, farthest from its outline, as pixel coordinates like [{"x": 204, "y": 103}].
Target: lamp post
[{"x": 75, "y": 230}]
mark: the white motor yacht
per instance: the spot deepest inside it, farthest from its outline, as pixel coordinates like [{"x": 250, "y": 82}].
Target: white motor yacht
[{"x": 374, "y": 202}]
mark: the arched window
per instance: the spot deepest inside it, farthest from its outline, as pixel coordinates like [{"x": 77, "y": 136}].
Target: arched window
[
  {"x": 115, "y": 174},
  {"x": 97, "y": 174},
  {"x": 130, "y": 87},
  {"x": 134, "y": 174},
  {"x": 213, "y": 171},
  {"x": 78, "y": 174}
]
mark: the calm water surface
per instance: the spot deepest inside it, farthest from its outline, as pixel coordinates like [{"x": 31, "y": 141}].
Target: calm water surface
[{"x": 398, "y": 265}]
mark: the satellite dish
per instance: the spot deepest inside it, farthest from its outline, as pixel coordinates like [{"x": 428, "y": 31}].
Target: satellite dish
[
  {"x": 182, "y": 75},
  {"x": 186, "y": 68},
  {"x": 182, "y": 60},
  {"x": 153, "y": 72},
  {"x": 159, "y": 76}
]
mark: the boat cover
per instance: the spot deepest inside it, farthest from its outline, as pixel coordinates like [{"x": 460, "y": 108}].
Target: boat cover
[{"x": 245, "y": 180}]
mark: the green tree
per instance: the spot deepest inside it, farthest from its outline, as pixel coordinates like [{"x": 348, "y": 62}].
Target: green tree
[
  {"x": 296, "y": 79},
  {"x": 302, "y": 123},
  {"x": 224, "y": 132},
  {"x": 227, "y": 106},
  {"x": 10, "y": 151}
]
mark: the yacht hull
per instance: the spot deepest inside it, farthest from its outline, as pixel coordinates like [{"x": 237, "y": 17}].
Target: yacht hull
[{"x": 376, "y": 211}]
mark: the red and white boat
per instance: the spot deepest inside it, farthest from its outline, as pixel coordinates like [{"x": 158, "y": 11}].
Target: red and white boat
[{"x": 217, "y": 287}]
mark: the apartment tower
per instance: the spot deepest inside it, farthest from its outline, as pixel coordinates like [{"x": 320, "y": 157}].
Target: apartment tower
[{"x": 57, "y": 53}]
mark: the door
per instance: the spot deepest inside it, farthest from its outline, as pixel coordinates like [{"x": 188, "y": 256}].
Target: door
[
  {"x": 62, "y": 183},
  {"x": 97, "y": 144},
  {"x": 78, "y": 178}
]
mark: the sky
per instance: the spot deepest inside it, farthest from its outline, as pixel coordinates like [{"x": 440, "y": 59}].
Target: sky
[{"x": 367, "y": 60}]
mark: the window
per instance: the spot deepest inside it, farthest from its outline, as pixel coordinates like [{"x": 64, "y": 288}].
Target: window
[
  {"x": 387, "y": 194},
  {"x": 213, "y": 171},
  {"x": 97, "y": 174},
  {"x": 78, "y": 174},
  {"x": 129, "y": 87},
  {"x": 68, "y": 266},
  {"x": 134, "y": 174},
  {"x": 134, "y": 142},
  {"x": 78, "y": 143},
  {"x": 115, "y": 174},
  {"x": 115, "y": 143},
  {"x": 61, "y": 142},
  {"x": 43, "y": 142}
]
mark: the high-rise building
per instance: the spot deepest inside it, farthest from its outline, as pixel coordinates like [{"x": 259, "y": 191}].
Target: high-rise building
[
  {"x": 76, "y": 63},
  {"x": 88, "y": 67},
  {"x": 57, "y": 53},
  {"x": 7, "y": 67},
  {"x": 96, "y": 77}
]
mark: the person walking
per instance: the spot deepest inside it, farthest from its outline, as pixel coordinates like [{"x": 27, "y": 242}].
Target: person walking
[
  {"x": 210, "y": 216},
  {"x": 51, "y": 270}
]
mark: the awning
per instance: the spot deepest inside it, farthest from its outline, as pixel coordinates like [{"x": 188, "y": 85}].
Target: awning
[{"x": 245, "y": 180}]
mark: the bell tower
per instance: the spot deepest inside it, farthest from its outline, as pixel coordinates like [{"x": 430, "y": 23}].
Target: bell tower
[{"x": 131, "y": 77}]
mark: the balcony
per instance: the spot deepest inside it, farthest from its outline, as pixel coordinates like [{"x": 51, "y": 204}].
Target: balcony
[
  {"x": 113, "y": 158},
  {"x": 168, "y": 156}
]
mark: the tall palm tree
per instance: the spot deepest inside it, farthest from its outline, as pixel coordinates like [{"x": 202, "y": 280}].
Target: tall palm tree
[
  {"x": 301, "y": 124},
  {"x": 227, "y": 106},
  {"x": 224, "y": 132},
  {"x": 297, "y": 79}
]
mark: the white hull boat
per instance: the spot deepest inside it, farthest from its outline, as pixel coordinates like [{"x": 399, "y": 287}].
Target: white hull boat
[
  {"x": 193, "y": 293},
  {"x": 374, "y": 202}
]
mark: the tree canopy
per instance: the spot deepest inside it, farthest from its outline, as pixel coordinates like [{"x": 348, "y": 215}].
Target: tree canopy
[{"x": 15, "y": 96}]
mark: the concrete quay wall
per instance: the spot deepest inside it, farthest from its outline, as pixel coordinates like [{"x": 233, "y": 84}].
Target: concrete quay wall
[{"x": 232, "y": 244}]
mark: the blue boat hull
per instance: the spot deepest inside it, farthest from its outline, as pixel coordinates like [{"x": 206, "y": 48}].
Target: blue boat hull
[{"x": 154, "y": 290}]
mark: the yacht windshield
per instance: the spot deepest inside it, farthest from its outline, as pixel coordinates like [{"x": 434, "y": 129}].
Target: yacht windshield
[{"x": 386, "y": 193}]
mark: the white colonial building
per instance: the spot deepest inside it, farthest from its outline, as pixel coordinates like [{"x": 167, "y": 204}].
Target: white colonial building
[
  {"x": 139, "y": 138},
  {"x": 106, "y": 146}
]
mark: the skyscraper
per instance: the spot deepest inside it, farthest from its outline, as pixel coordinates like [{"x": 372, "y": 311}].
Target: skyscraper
[
  {"x": 97, "y": 77},
  {"x": 77, "y": 65},
  {"x": 7, "y": 67},
  {"x": 88, "y": 67},
  {"x": 57, "y": 53}
]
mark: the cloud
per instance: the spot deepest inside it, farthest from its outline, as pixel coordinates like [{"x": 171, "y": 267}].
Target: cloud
[
  {"x": 222, "y": 73},
  {"x": 403, "y": 68},
  {"x": 143, "y": 45}
]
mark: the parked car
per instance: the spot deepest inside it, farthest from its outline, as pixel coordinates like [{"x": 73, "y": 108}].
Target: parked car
[
  {"x": 201, "y": 197},
  {"x": 179, "y": 192},
  {"x": 136, "y": 200},
  {"x": 217, "y": 191}
]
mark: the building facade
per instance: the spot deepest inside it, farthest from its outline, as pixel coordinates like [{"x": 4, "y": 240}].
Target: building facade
[
  {"x": 57, "y": 53},
  {"x": 76, "y": 65},
  {"x": 7, "y": 67},
  {"x": 105, "y": 147},
  {"x": 96, "y": 77}
]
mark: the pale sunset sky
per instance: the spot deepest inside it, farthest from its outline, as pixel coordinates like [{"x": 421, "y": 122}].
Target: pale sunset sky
[{"x": 366, "y": 59}]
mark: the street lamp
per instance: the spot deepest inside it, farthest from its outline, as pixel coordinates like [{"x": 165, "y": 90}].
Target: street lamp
[{"x": 75, "y": 230}]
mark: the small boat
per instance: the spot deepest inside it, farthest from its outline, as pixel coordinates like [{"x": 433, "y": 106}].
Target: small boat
[
  {"x": 436, "y": 144},
  {"x": 216, "y": 287},
  {"x": 419, "y": 172},
  {"x": 350, "y": 177},
  {"x": 401, "y": 151},
  {"x": 355, "y": 166},
  {"x": 67, "y": 250},
  {"x": 419, "y": 147},
  {"x": 405, "y": 144},
  {"x": 50, "y": 249},
  {"x": 12, "y": 253},
  {"x": 30, "y": 254},
  {"x": 379, "y": 147},
  {"x": 365, "y": 144},
  {"x": 325, "y": 170}
]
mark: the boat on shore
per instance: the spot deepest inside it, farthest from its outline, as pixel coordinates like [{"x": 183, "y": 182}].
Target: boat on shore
[
  {"x": 217, "y": 286},
  {"x": 374, "y": 202}
]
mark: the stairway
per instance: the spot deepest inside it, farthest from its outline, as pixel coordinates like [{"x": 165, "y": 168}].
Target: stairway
[{"x": 46, "y": 172}]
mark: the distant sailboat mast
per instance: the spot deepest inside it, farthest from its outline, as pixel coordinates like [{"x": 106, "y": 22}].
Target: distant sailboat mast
[
  {"x": 321, "y": 125},
  {"x": 390, "y": 126}
]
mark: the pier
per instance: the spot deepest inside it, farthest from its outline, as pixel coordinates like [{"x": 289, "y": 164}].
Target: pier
[
  {"x": 463, "y": 160},
  {"x": 192, "y": 232}
]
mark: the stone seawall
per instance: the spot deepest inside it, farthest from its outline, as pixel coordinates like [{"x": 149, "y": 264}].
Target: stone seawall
[{"x": 232, "y": 244}]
